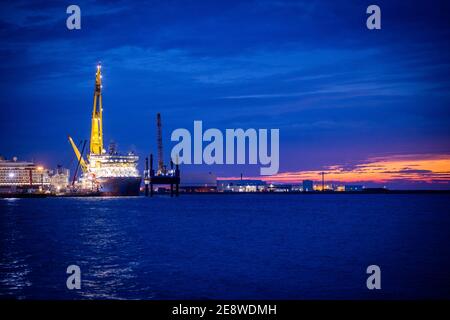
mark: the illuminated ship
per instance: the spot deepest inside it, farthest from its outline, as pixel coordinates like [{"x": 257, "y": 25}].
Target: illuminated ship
[{"x": 109, "y": 173}]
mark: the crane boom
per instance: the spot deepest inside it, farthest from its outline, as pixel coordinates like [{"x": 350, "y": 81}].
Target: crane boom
[
  {"x": 96, "y": 142},
  {"x": 79, "y": 156}
]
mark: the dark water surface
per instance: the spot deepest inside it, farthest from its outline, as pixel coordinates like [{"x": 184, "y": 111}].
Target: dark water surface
[{"x": 220, "y": 247}]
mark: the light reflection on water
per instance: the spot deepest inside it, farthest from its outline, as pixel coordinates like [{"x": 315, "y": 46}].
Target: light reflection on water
[{"x": 240, "y": 246}]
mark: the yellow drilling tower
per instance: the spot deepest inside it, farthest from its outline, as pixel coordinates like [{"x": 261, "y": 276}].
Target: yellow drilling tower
[{"x": 96, "y": 142}]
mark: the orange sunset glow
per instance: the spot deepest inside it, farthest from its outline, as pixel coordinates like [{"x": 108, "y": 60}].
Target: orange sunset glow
[{"x": 380, "y": 170}]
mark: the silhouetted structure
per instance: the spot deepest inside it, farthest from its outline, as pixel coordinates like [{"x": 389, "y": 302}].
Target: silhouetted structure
[{"x": 163, "y": 176}]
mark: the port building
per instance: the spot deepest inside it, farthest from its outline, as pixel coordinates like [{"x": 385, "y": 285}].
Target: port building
[
  {"x": 243, "y": 185},
  {"x": 17, "y": 176},
  {"x": 27, "y": 177}
]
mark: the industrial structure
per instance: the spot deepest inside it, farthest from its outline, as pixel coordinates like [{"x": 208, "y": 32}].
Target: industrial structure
[
  {"x": 59, "y": 180},
  {"x": 22, "y": 176},
  {"x": 163, "y": 176},
  {"x": 108, "y": 173},
  {"x": 25, "y": 177},
  {"x": 242, "y": 185}
]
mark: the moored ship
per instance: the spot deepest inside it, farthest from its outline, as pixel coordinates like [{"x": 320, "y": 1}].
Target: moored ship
[{"x": 108, "y": 173}]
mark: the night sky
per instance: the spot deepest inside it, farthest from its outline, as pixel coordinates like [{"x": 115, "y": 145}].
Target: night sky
[{"x": 365, "y": 106}]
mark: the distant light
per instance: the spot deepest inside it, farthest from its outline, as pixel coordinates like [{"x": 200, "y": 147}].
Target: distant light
[
  {"x": 11, "y": 175},
  {"x": 40, "y": 168}
]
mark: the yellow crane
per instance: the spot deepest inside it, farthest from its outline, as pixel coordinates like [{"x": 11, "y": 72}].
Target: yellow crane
[
  {"x": 96, "y": 141},
  {"x": 79, "y": 156}
]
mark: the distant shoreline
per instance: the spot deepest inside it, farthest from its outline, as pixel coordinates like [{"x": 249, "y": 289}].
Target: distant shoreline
[
  {"x": 24, "y": 195},
  {"x": 320, "y": 192}
]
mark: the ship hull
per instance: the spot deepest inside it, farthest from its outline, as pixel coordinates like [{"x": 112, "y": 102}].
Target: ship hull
[{"x": 119, "y": 186}]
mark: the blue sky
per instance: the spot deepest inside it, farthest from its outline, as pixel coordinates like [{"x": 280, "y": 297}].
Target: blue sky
[{"x": 339, "y": 93}]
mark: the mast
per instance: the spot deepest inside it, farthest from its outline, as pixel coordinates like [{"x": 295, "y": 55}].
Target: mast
[
  {"x": 96, "y": 142},
  {"x": 160, "y": 145}
]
